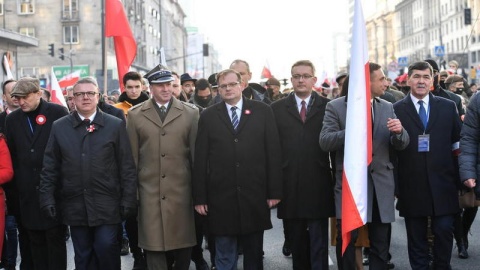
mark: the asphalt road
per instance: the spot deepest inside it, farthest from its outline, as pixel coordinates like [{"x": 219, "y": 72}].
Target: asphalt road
[{"x": 275, "y": 260}]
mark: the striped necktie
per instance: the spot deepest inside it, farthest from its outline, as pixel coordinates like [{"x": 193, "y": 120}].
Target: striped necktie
[{"x": 234, "y": 117}]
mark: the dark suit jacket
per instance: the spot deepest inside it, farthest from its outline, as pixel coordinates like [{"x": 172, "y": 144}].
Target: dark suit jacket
[
  {"x": 307, "y": 177},
  {"x": 428, "y": 181},
  {"x": 27, "y": 152},
  {"x": 236, "y": 172}
]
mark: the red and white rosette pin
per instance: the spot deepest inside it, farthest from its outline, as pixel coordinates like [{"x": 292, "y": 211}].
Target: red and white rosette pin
[
  {"x": 247, "y": 112},
  {"x": 41, "y": 119}
]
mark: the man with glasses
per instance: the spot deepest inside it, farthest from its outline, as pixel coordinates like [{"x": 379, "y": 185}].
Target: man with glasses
[
  {"x": 307, "y": 180},
  {"x": 27, "y": 131},
  {"x": 237, "y": 172},
  {"x": 89, "y": 179}
]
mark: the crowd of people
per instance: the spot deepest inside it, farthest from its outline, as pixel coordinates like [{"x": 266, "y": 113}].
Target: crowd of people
[{"x": 174, "y": 160}]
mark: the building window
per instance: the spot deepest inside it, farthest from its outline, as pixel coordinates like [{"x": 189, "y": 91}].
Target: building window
[
  {"x": 70, "y": 9},
  {"x": 26, "y": 7},
  {"x": 27, "y": 31},
  {"x": 70, "y": 34},
  {"x": 29, "y": 71},
  {"x": 474, "y": 57},
  {"x": 1, "y": 7}
]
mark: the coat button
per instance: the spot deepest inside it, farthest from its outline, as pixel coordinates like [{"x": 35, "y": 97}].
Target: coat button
[
  {"x": 236, "y": 140},
  {"x": 237, "y": 164},
  {"x": 163, "y": 133},
  {"x": 163, "y": 155},
  {"x": 32, "y": 150},
  {"x": 163, "y": 197},
  {"x": 163, "y": 175}
]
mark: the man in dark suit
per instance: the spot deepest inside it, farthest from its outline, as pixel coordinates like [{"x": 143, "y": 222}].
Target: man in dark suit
[
  {"x": 307, "y": 178},
  {"x": 27, "y": 131},
  {"x": 387, "y": 132},
  {"x": 237, "y": 172},
  {"x": 94, "y": 200},
  {"x": 427, "y": 176}
]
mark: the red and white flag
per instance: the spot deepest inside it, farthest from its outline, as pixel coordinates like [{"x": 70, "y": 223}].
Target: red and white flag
[
  {"x": 56, "y": 92},
  {"x": 6, "y": 65},
  {"x": 69, "y": 79},
  {"x": 266, "y": 73},
  {"x": 117, "y": 26},
  {"x": 358, "y": 133}
]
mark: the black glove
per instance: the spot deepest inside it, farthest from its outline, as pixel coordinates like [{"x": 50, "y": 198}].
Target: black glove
[
  {"x": 126, "y": 212},
  {"x": 50, "y": 211}
]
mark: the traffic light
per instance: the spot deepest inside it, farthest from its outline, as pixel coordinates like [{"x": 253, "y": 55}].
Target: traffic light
[
  {"x": 62, "y": 56},
  {"x": 51, "y": 49},
  {"x": 467, "y": 16},
  {"x": 205, "y": 49}
]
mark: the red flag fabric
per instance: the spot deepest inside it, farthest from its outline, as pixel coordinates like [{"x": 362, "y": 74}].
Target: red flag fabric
[
  {"x": 266, "y": 74},
  {"x": 69, "y": 79},
  {"x": 117, "y": 26},
  {"x": 358, "y": 133}
]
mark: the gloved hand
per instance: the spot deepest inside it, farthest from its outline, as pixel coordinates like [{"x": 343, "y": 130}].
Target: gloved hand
[
  {"x": 50, "y": 211},
  {"x": 126, "y": 212}
]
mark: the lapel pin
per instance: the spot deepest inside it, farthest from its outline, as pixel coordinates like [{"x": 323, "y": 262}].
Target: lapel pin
[{"x": 41, "y": 119}]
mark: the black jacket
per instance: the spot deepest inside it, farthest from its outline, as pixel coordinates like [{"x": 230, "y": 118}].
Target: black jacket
[
  {"x": 27, "y": 152},
  {"x": 93, "y": 170}
]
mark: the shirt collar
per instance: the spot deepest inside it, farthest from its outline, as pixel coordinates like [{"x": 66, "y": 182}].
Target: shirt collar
[
  {"x": 426, "y": 100},
  {"x": 91, "y": 117},
  {"x": 239, "y": 105},
  {"x": 299, "y": 100}
]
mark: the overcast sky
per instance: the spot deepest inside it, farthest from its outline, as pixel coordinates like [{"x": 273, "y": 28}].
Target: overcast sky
[{"x": 280, "y": 32}]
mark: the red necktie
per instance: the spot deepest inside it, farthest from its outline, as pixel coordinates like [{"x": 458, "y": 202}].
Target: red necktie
[{"x": 303, "y": 112}]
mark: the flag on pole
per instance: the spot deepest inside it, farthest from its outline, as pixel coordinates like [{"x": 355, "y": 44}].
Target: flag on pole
[
  {"x": 6, "y": 65},
  {"x": 56, "y": 92},
  {"x": 266, "y": 74},
  {"x": 358, "y": 133},
  {"x": 69, "y": 79},
  {"x": 117, "y": 26}
]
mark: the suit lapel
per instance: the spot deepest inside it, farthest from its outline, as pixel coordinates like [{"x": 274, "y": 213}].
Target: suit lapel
[
  {"x": 292, "y": 107},
  {"x": 174, "y": 111},
  {"x": 315, "y": 108},
  {"x": 412, "y": 111},
  {"x": 224, "y": 116},
  {"x": 432, "y": 112},
  {"x": 246, "y": 111},
  {"x": 150, "y": 113},
  {"x": 38, "y": 129}
]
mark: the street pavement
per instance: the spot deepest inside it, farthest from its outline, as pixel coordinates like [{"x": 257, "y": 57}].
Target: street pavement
[{"x": 275, "y": 260}]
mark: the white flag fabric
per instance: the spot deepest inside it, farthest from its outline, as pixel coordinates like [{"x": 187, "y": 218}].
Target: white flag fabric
[{"x": 358, "y": 133}]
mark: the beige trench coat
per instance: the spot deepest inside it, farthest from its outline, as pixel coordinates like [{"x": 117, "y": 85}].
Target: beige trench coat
[{"x": 163, "y": 153}]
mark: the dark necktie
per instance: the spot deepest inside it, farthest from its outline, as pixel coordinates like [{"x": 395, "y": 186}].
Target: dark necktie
[
  {"x": 86, "y": 121},
  {"x": 423, "y": 114},
  {"x": 303, "y": 112},
  {"x": 163, "y": 113},
  {"x": 234, "y": 117}
]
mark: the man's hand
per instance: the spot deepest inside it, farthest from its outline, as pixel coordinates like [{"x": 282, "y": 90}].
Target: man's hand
[
  {"x": 394, "y": 125},
  {"x": 50, "y": 211},
  {"x": 272, "y": 203},
  {"x": 471, "y": 183},
  {"x": 127, "y": 212},
  {"x": 202, "y": 209}
]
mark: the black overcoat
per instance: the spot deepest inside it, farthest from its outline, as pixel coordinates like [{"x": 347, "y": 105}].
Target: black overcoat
[
  {"x": 428, "y": 181},
  {"x": 307, "y": 176},
  {"x": 27, "y": 152},
  {"x": 236, "y": 172}
]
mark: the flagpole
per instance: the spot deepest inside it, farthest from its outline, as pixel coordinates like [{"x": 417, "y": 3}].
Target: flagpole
[{"x": 104, "y": 62}]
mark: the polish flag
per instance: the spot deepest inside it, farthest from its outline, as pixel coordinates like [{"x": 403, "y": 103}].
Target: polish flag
[
  {"x": 56, "y": 92},
  {"x": 358, "y": 133},
  {"x": 69, "y": 79},
  {"x": 266, "y": 74},
  {"x": 117, "y": 26},
  {"x": 6, "y": 65}
]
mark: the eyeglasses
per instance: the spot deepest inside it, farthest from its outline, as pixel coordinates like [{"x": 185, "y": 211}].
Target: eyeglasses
[
  {"x": 89, "y": 94},
  {"x": 304, "y": 76},
  {"x": 225, "y": 86}
]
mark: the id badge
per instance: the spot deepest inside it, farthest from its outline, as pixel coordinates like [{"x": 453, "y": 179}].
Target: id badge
[{"x": 424, "y": 143}]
